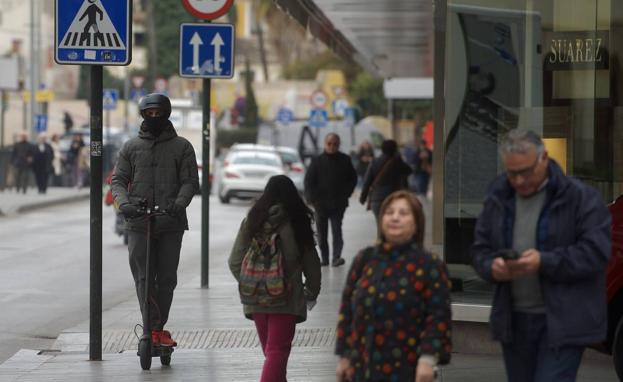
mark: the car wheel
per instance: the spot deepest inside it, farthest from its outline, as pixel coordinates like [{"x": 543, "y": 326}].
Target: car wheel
[
  {"x": 617, "y": 349},
  {"x": 223, "y": 198}
]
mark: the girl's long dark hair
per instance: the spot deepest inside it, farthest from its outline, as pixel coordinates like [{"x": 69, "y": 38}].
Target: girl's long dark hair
[{"x": 281, "y": 190}]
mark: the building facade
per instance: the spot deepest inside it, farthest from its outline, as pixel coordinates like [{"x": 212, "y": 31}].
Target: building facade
[{"x": 546, "y": 65}]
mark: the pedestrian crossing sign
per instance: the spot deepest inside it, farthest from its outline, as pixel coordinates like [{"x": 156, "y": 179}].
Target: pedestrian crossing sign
[{"x": 96, "y": 32}]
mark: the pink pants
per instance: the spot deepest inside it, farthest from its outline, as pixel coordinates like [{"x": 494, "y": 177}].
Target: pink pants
[{"x": 276, "y": 332}]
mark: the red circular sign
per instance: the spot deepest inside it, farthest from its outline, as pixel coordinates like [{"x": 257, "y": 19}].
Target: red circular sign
[{"x": 207, "y": 9}]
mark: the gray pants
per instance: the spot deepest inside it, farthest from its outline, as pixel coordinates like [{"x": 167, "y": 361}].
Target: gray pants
[
  {"x": 22, "y": 179},
  {"x": 164, "y": 259}
]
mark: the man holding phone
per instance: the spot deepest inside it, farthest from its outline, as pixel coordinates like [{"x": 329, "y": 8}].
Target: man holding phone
[{"x": 543, "y": 239}]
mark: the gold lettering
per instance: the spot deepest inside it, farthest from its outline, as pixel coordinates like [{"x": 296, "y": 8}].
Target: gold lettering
[
  {"x": 563, "y": 51},
  {"x": 570, "y": 51},
  {"x": 589, "y": 50},
  {"x": 579, "y": 50},
  {"x": 554, "y": 56},
  {"x": 598, "y": 50}
]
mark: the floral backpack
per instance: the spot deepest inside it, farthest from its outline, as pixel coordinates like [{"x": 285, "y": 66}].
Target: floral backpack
[{"x": 262, "y": 279}]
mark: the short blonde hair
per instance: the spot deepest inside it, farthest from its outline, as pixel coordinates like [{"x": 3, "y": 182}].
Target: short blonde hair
[{"x": 416, "y": 209}]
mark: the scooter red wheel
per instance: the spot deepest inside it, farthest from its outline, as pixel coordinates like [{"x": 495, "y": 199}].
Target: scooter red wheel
[{"x": 144, "y": 351}]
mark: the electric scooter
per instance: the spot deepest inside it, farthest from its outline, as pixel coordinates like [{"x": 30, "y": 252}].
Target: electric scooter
[{"x": 146, "y": 350}]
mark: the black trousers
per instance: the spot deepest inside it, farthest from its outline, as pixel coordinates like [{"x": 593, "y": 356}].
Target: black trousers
[
  {"x": 163, "y": 261},
  {"x": 41, "y": 176},
  {"x": 322, "y": 226}
]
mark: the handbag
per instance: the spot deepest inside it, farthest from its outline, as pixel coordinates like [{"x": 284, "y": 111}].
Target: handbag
[{"x": 376, "y": 180}]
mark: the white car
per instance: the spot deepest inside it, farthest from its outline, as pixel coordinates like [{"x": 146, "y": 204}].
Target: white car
[
  {"x": 294, "y": 167},
  {"x": 245, "y": 174}
]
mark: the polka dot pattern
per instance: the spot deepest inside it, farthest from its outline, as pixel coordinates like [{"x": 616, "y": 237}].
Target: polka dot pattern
[{"x": 395, "y": 307}]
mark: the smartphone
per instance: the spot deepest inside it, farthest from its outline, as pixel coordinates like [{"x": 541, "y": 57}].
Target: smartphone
[{"x": 509, "y": 254}]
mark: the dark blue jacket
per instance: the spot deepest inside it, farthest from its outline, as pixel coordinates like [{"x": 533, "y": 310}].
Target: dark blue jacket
[{"x": 573, "y": 237}]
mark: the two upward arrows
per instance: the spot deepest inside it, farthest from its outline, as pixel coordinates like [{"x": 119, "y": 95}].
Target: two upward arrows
[{"x": 217, "y": 43}]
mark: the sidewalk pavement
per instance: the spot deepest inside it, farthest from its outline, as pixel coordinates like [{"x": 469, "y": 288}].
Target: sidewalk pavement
[
  {"x": 12, "y": 202},
  {"x": 216, "y": 343}
]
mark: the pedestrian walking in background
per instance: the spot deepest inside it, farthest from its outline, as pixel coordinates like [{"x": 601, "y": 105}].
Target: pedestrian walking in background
[
  {"x": 161, "y": 168},
  {"x": 68, "y": 122},
  {"x": 57, "y": 162},
  {"x": 365, "y": 156},
  {"x": 281, "y": 214},
  {"x": 42, "y": 162},
  {"x": 72, "y": 161},
  {"x": 329, "y": 182},
  {"x": 395, "y": 319},
  {"x": 21, "y": 160},
  {"x": 83, "y": 166},
  {"x": 543, "y": 240},
  {"x": 386, "y": 174},
  {"x": 423, "y": 167}
]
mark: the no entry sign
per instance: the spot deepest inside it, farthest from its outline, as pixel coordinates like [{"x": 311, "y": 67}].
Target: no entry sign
[{"x": 207, "y": 9}]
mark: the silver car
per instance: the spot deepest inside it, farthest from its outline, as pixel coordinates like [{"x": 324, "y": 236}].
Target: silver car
[
  {"x": 245, "y": 174},
  {"x": 293, "y": 165}
]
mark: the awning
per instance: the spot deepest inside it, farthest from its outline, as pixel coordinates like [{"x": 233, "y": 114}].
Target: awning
[{"x": 388, "y": 38}]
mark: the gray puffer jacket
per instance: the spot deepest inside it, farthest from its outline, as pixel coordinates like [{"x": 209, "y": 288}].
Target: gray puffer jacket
[{"x": 159, "y": 169}]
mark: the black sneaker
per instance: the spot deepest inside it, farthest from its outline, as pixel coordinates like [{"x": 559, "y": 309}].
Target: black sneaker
[
  {"x": 337, "y": 262},
  {"x": 324, "y": 263}
]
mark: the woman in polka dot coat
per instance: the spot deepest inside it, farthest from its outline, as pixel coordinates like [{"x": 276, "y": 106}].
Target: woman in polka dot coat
[{"x": 394, "y": 321}]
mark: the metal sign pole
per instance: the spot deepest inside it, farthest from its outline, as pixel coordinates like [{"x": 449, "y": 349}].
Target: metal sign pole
[
  {"x": 3, "y": 108},
  {"x": 107, "y": 125},
  {"x": 95, "y": 327},
  {"x": 205, "y": 186},
  {"x": 221, "y": 55}
]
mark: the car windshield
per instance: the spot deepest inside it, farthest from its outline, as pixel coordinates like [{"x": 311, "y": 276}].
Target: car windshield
[
  {"x": 267, "y": 160},
  {"x": 289, "y": 158}
]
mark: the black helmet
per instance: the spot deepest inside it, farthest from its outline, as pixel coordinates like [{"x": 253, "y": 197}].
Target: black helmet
[{"x": 153, "y": 101}]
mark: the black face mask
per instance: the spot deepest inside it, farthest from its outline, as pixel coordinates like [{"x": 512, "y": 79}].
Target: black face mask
[{"x": 155, "y": 125}]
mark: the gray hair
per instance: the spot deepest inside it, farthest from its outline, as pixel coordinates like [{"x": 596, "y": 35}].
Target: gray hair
[{"x": 519, "y": 141}]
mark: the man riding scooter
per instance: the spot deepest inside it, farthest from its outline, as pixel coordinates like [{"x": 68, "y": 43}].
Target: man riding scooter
[{"x": 157, "y": 168}]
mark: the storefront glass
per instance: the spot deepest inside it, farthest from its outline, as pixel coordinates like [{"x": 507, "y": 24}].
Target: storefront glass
[{"x": 546, "y": 65}]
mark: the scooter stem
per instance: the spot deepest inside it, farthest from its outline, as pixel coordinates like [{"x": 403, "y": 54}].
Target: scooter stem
[{"x": 146, "y": 311}]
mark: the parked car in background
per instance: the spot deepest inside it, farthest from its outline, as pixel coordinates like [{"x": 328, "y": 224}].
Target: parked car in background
[
  {"x": 245, "y": 173},
  {"x": 293, "y": 165},
  {"x": 199, "y": 157},
  {"x": 614, "y": 283}
]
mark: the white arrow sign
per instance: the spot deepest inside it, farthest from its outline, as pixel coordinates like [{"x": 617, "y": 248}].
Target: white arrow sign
[
  {"x": 217, "y": 42},
  {"x": 196, "y": 41}
]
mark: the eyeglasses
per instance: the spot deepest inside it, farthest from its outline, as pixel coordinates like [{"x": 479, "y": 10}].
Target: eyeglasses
[{"x": 525, "y": 172}]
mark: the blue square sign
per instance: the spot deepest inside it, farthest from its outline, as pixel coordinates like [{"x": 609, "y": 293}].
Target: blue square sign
[
  {"x": 207, "y": 50},
  {"x": 109, "y": 99},
  {"x": 318, "y": 117},
  {"x": 97, "y": 32}
]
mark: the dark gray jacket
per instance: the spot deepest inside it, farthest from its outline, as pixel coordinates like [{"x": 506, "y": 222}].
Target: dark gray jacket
[
  {"x": 573, "y": 237},
  {"x": 394, "y": 178},
  {"x": 159, "y": 169},
  {"x": 297, "y": 264}
]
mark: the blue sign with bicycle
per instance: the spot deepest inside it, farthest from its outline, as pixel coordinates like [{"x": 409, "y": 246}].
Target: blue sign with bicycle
[
  {"x": 96, "y": 32},
  {"x": 285, "y": 116}
]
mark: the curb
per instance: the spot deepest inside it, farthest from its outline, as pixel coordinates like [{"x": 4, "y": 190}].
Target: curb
[
  {"x": 18, "y": 208},
  {"x": 48, "y": 203}
]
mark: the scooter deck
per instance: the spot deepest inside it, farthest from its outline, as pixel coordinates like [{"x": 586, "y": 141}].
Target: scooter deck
[{"x": 158, "y": 351}]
